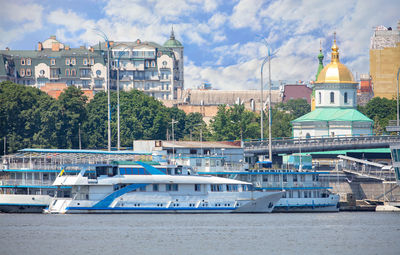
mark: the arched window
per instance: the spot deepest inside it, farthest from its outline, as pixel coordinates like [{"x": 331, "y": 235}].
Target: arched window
[
  {"x": 332, "y": 98},
  {"x": 345, "y": 97},
  {"x": 308, "y": 135},
  {"x": 319, "y": 97}
]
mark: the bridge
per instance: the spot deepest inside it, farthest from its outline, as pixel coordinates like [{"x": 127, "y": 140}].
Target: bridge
[{"x": 295, "y": 145}]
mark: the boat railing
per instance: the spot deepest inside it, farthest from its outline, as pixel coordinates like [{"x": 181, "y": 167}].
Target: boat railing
[
  {"x": 26, "y": 183},
  {"x": 32, "y": 166}
]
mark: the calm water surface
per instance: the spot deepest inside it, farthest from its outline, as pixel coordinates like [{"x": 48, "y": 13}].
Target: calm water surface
[{"x": 327, "y": 233}]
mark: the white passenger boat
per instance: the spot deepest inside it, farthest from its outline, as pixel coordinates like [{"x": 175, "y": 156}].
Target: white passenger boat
[
  {"x": 120, "y": 188},
  {"x": 303, "y": 190},
  {"x": 26, "y": 177}
]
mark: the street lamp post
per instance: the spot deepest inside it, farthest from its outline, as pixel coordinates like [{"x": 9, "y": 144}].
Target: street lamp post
[
  {"x": 173, "y": 139},
  {"x": 118, "y": 111},
  {"x": 104, "y": 36},
  {"x": 269, "y": 110},
  {"x": 201, "y": 138},
  {"x": 261, "y": 99},
  {"x": 398, "y": 72},
  {"x": 79, "y": 132}
]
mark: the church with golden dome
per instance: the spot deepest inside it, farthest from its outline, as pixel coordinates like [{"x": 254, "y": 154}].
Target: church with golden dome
[{"x": 335, "y": 111}]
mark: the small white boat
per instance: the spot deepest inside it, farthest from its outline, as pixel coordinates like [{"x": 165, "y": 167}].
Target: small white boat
[{"x": 119, "y": 189}]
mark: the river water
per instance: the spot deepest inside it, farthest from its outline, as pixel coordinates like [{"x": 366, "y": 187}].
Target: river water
[{"x": 281, "y": 233}]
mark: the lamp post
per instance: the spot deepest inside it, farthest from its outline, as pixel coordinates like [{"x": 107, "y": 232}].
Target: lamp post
[
  {"x": 104, "y": 36},
  {"x": 398, "y": 72},
  {"x": 261, "y": 99},
  {"x": 118, "y": 112},
  {"x": 173, "y": 139},
  {"x": 269, "y": 109},
  {"x": 201, "y": 138},
  {"x": 79, "y": 132}
]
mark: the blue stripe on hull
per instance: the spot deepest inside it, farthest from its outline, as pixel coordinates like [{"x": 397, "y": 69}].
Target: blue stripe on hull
[
  {"x": 307, "y": 205},
  {"x": 9, "y": 204},
  {"x": 150, "y": 208}
]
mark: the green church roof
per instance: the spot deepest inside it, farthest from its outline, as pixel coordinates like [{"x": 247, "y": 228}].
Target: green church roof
[{"x": 333, "y": 114}]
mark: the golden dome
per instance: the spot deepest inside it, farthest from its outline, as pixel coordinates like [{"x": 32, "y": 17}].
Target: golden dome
[{"x": 335, "y": 72}]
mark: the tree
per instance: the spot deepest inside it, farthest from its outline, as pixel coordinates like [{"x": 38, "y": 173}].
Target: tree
[
  {"x": 297, "y": 107},
  {"x": 195, "y": 126},
  {"x": 234, "y": 123},
  {"x": 72, "y": 107},
  {"x": 24, "y": 113},
  {"x": 381, "y": 110}
]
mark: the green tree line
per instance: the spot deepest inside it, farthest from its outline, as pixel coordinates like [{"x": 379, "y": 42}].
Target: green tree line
[{"x": 29, "y": 118}]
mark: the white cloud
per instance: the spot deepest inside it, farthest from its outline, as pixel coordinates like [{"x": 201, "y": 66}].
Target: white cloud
[
  {"x": 245, "y": 14},
  {"x": 18, "y": 20},
  {"x": 217, "y": 20}
]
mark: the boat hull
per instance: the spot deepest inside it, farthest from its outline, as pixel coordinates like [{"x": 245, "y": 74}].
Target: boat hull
[
  {"x": 23, "y": 203},
  {"x": 263, "y": 204},
  {"x": 327, "y": 204}
]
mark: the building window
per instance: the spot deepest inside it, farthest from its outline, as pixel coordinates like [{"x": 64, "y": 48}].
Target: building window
[
  {"x": 164, "y": 63},
  {"x": 73, "y": 61},
  {"x": 345, "y": 97},
  {"x": 85, "y": 83},
  {"x": 22, "y": 72},
  {"x": 153, "y": 64},
  {"x": 28, "y": 61},
  {"x": 147, "y": 63},
  {"x": 67, "y": 73},
  {"x": 85, "y": 61},
  {"x": 332, "y": 98},
  {"x": 92, "y": 61},
  {"x": 98, "y": 83},
  {"x": 85, "y": 72},
  {"x": 319, "y": 97},
  {"x": 52, "y": 62},
  {"x": 22, "y": 61},
  {"x": 28, "y": 72},
  {"x": 73, "y": 72},
  {"x": 67, "y": 61}
]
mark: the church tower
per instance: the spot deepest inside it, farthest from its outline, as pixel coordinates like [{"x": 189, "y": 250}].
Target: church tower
[{"x": 335, "y": 104}]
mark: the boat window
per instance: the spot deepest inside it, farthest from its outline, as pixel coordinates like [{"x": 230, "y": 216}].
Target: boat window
[
  {"x": 122, "y": 171},
  {"x": 212, "y": 163},
  {"x": 265, "y": 178},
  {"x": 295, "y": 178},
  {"x": 197, "y": 187},
  {"x": 198, "y": 162},
  {"x": 143, "y": 189},
  {"x": 302, "y": 178},
  {"x": 284, "y": 178},
  {"x": 178, "y": 170},
  {"x": 299, "y": 194},
  {"x": 276, "y": 178},
  {"x": 216, "y": 187},
  {"x": 155, "y": 187},
  {"x": 172, "y": 187}
]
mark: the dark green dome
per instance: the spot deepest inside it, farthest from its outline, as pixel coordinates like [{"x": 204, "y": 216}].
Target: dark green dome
[{"x": 172, "y": 42}]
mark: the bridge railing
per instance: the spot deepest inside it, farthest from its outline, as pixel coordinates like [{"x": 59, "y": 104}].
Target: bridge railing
[{"x": 325, "y": 142}]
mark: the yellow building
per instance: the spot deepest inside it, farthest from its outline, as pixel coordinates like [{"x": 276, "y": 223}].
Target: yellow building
[{"x": 384, "y": 61}]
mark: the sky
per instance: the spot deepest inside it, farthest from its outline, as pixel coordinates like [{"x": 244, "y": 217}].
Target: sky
[{"x": 224, "y": 42}]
